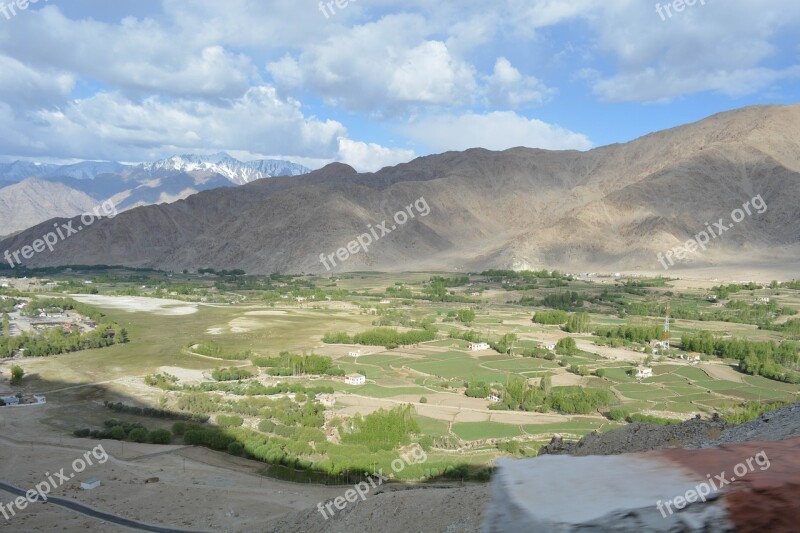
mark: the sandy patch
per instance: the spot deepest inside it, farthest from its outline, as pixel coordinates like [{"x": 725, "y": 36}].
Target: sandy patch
[
  {"x": 185, "y": 374},
  {"x": 238, "y": 325},
  {"x": 565, "y": 379},
  {"x": 134, "y": 304},
  {"x": 267, "y": 312},
  {"x": 722, "y": 371},
  {"x": 609, "y": 352}
]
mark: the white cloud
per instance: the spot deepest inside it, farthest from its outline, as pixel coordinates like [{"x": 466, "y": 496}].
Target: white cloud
[
  {"x": 720, "y": 46},
  {"x": 110, "y": 126},
  {"x": 499, "y": 130},
  {"x": 380, "y": 67},
  {"x": 369, "y": 157},
  {"x": 135, "y": 55},
  {"x": 23, "y": 87},
  {"x": 509, "y": 88}
]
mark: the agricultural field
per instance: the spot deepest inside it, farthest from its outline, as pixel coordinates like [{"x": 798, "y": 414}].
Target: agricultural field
[{"x": 266, "y": 362}]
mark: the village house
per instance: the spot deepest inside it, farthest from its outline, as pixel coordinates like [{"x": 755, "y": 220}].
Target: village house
[
  {"x": 354, "y": 353},
  {"x": 644, "y": 372},
  {"x": 328, "y": 400},
  {"x": 494, "y": 397},
  {"x": 355, "y": 379},
  {"x": 477, "y": 346},
  {"x": 550, "y": 346}
]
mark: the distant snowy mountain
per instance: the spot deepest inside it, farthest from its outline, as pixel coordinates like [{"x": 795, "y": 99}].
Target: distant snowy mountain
[
  {"x": 223, "y": 164},
  {"x": 31, "y": 192},
  {"x": 20, "y": 170},
  {"x": 87, "y": 170}
]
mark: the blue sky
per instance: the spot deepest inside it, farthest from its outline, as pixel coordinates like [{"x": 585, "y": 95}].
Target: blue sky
[{"x": 378, "y": 82}]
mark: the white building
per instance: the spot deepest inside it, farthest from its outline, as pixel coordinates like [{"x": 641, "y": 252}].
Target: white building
[
  {"x": 354, "y": 354},
  {"x": 477, "y": 346},
  {"x": 550, "y": 346},
  {"x": 90, "y": 484},
  {"x": 355, "y": 379},
  {"x": 494, "y": 397},
  {"x": 644, "y": 372}
]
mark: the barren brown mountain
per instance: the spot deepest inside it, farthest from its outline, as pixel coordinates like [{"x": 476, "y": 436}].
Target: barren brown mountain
[{"x": 611, "y": 208}]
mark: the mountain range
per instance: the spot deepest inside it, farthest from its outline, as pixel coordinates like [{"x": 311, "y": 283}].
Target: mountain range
[
  {"x": 613, "y": 208},
  {"x": 34, "y": 192}
]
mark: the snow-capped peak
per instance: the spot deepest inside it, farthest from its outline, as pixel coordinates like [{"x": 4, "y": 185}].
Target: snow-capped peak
[{"x": 222, "y": 163}]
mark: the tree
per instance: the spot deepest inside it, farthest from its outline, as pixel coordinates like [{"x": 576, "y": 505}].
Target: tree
[
  {"x": 578, "y": 323},
  {"x": 17, "y": 373},
  {"x": 566, "y": 346},
  {"x": 546, "y": 384},
  {"x": 466, "y": 315},
  {"x": 6, "y": 325}
]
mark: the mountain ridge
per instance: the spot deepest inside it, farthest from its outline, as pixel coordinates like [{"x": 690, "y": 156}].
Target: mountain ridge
[{"x": 611, "y": 207}]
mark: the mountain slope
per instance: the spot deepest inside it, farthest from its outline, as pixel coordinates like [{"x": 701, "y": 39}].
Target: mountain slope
[
  {"x": 33, "y": 201},
  {"x": 614, "y": 207}
]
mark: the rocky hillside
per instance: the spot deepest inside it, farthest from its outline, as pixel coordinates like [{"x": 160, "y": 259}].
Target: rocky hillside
[{"x": 614, "y": 207}]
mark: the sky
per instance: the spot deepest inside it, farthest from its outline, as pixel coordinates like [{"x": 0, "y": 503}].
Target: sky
[{"x": 375, "y": 83}]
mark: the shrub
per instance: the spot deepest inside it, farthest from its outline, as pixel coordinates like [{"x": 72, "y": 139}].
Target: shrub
[
  {"x": 138, "y": 435},
  {"x": 159, "y": 436},
  {"x": 17, "y": 373},
  {"x": 618, "y": 413},
  {"x": 423, "y": 399},
  {"x": 267, "y": 426},
  {"x": 235, "y": 448},
  {"x": 426, "y": 442},
  {"x": 117, "y": 433},
  {"x": 230, "y": 421}
]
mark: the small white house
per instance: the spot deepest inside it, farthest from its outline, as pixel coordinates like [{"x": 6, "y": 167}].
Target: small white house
[
  {"x": 477, "y": 346},
  {"x": 355, "y": 379},
  {"x": 644, "y": 372},
  {"x": 494, "y": 397},
  {"x": 354, "y": 353},
  {"x": 550, "y": 346},
  {"x": 90, "y": 484},
  {"x": 385, "y": 301}
]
